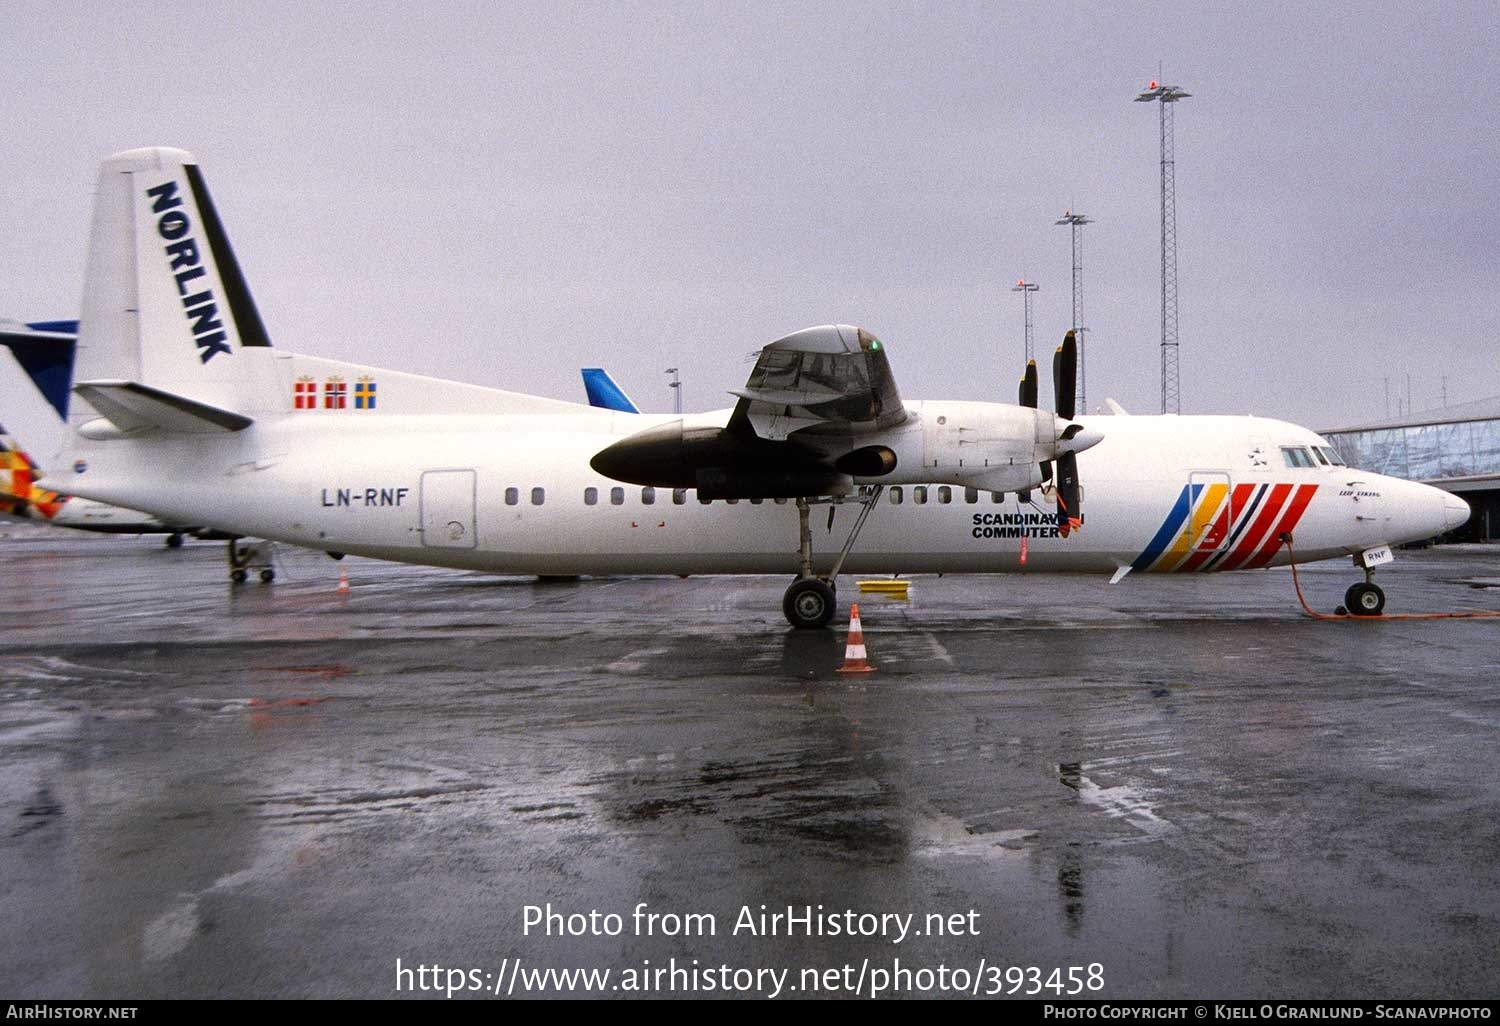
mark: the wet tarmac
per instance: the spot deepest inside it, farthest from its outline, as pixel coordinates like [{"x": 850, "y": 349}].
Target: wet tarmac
[{"x": 278, "y": 790}]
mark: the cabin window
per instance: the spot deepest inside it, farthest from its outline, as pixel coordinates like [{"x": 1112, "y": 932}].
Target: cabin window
[
  {"x": 512, "y": 496},
  {"x": 997, "y": 497},
  {"x": 945, "y": 494},
  {"x": 919, "y": 495},
  {"x": 617, "y": 496},
  {"x": 896, "y": 495},
  {"x": 780, "y": 500},
  {"x": 971, "y": 495},
  {"x": 1296, "y": 456},
  {"x": 591, "y": 496},
  {"x": 732, "y": 502},
  {"x": 679, "y": 496},
  {"x": 756, "y": 501},
  {"x": 704, "y": 501},
  {"x": 648, "y": 496},
  {"x": 538, "y": 496}
]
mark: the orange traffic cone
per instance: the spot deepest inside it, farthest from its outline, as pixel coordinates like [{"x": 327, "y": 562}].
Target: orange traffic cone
[
  {"x": 854, "y": 651},
  {"x": 343, "y": 581}
]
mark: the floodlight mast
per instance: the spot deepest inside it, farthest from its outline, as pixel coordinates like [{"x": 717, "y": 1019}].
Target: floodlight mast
[
  {"x": 1075, "y": 222},
  {"x": 1027, "y": 288},
  {"x": 676, "y": 386},
  {"x": 1171, "y": 393}
]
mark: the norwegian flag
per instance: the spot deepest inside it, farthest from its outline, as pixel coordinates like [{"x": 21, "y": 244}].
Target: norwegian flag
[{"x": 335, "y": 393}]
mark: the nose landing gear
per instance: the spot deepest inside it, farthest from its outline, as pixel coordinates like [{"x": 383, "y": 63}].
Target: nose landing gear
[{"x": 1364, "y": 599}]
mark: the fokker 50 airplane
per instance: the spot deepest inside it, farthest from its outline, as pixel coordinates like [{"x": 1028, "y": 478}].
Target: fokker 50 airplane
[{"x": 188, "y": 413}]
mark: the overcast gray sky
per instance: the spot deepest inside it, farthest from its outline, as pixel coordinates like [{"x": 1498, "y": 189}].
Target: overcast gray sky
[{"x": 506, "y": 192}]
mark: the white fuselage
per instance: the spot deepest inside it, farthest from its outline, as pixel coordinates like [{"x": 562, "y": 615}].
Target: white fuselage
[{"x": 509, "y": 493}]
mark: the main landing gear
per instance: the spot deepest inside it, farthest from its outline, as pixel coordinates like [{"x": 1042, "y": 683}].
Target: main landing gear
[{"x": 810, "y": 601}]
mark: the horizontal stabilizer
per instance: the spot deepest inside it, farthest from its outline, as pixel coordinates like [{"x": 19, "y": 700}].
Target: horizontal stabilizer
[{"x": 132, "y": 408}]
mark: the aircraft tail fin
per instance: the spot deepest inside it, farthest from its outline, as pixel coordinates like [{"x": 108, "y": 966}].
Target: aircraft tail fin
[
  {"x": 45, "y": 352},
  {"x": 604, "y": 393},
  {"x": 165, "y": 304}
]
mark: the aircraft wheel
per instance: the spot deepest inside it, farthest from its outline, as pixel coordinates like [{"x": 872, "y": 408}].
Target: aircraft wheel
[
  {"x": 1365, "y": 599},
  {"x": 174, "y": 540},
  {"x": 268, "y": 575},
  {"x": 237, "y": 576},
  {"x": 808, "y": 603}
]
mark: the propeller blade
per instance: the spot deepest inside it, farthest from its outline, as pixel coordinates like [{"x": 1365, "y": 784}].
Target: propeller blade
[
  {"x": 1069, "y": 497},
  {"x": 1065, "y": 378},
  {"x": 1028, "y": 385}
]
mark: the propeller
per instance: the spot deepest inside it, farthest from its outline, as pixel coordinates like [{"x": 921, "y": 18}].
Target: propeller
[
  {"x": 1028, "y": 385},
  {"x": 1027, "y": 398},
  {"x": 1065, "y": 396},
  {"x": 1070, "y": 440}
]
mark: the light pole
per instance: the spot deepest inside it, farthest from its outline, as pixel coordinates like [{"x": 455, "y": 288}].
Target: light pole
[
  {"x": 676, "y": 386},
  {"x": 1171, "y": 393},
  {"x": 1075, "y": 222},
  {"x": 1026, "y": 288}
]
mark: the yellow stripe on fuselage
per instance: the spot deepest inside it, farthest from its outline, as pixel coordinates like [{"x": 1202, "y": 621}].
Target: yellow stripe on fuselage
[{"x": 1203, "y": 516}]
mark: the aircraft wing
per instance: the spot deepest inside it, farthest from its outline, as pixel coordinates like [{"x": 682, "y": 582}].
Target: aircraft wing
[{"x": 829, "y": 379}]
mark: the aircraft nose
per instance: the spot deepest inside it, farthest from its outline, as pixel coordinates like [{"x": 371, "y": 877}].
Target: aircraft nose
[{"x": 1455, "y": 511}]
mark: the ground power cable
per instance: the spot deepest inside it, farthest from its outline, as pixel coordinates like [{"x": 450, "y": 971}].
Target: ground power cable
[{"x": 1286, "y": 539}]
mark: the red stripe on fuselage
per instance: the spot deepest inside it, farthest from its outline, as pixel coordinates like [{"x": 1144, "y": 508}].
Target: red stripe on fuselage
[
  {"x": 1212, "y": 539},
  {"x": 1263, "y": 521},
  {"x": 1288, "y": 522}
]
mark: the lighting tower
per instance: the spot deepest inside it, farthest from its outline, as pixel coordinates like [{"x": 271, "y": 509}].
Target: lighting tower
[
  {"x": 1026, "y": 288},
  {"x": 1171, "y": 397},
  {"x": 676, "y": 386},
  {"x": 1077, "y": 221}
]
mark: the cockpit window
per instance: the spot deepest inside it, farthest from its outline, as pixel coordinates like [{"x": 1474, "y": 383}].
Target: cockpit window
[
  {"x": 1318, "y": 452},
  {"x": 1297, "y": 456},
  {"x": 1332, "y": 455}
]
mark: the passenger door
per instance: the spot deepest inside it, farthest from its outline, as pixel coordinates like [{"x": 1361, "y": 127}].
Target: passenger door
[{"x": 448, "y": 509}]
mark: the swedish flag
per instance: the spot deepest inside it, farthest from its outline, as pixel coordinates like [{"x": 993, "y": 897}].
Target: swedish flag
[{"x": 364, "y": 394}]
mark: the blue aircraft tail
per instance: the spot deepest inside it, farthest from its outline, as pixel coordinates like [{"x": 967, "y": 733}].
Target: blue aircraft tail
[
  {"x": 44, "y": 349},
  {"x": 604, "y": 393}
]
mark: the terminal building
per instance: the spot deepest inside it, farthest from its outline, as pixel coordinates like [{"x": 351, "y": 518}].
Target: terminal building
[{"x": 1456, "y": 448}]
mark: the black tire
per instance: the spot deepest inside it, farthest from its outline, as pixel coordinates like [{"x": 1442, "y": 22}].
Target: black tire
[
  {"x": 237, "y": 575},
  {"x": 1365, "y": 600},
  {"x": 174, "y": 540},
  {"x": 809, "y": 603},
  {"x": 267, "y": 575}
]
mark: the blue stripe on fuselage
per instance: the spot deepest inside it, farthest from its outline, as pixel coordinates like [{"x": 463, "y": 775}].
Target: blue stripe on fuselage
[{"x": 1170, "y": 528}]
